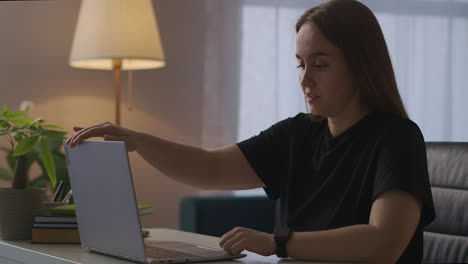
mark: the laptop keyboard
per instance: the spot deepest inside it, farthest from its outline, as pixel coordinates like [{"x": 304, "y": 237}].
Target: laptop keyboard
[{"x": 155, "y": 252}]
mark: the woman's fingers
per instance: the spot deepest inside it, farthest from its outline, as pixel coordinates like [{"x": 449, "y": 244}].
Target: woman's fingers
[
  {"x": 73, "y": 139},
  {"x": 227, "y": 246},
  {"x": 93, "y": 131},
  {"x": 231, "y": 237},
  {"x": 226, "y": 237},
  {"x": 238, "y": 247},
  {"x": 108, "y": 131}
]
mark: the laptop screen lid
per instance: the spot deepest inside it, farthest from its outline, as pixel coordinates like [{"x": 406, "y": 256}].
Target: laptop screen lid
[{"x": 105, "y": 203}]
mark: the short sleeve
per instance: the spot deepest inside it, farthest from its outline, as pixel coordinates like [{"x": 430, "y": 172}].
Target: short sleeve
[
  {"x": 402, "y": 164},
  {"x": 267, "y": 154}
]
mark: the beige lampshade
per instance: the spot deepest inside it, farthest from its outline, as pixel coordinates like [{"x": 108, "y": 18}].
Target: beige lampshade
[{"x": 117, "y": 29}]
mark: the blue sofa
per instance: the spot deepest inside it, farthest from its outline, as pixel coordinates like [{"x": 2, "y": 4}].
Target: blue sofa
[{"x": 215, "y": 216}]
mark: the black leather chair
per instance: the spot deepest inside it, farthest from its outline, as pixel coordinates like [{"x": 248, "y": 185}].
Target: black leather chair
[{"x": 445, "y": 240}]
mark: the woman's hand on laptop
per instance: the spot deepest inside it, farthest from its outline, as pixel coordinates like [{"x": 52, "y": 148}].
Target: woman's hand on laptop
[
  {"x": 108, "y": 131},
  {"x": 241, "y": 238}
]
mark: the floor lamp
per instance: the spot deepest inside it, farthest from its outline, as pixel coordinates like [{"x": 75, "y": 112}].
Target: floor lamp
[{"x": 117, "y": 35}]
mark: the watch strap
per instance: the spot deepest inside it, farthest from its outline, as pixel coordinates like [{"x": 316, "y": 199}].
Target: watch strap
[{"x": 282, "y": 236}]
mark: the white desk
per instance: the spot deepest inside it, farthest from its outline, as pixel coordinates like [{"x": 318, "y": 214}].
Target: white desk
[{"x": 24, "y": 252}]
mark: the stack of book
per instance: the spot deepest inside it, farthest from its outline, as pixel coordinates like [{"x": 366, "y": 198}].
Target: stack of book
[
  {"x": 55, "y": 229},
  {"x": 61, "y": 225},
  {"x": 69, "y": 210}
]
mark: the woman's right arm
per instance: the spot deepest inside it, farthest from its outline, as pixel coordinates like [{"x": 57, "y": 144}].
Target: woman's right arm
[{"x": 218, "y": 169}]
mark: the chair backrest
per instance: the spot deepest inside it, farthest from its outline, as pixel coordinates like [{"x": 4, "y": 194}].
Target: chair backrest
[{"x": 446, "y": 239}]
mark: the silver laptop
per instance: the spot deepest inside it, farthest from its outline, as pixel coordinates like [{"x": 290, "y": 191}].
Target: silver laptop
[{"x": 107, "y": 213}]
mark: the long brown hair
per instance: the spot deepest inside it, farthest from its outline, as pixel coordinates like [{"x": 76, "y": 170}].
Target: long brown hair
[{"x": 352, "y": 27}]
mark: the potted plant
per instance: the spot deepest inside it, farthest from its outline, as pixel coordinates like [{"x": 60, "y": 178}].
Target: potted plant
[{"x": 29, "y": 141}]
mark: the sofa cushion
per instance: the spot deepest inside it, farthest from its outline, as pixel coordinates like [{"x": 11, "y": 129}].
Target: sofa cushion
[
  {"x": 451, "y": 206},
  {"x": 442, "y": 248}
]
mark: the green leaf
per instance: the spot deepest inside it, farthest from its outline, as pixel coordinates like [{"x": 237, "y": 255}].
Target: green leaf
[
  {"x": 33, "y": 125},
  {"x": 22, "y": 121},
  {"x": 31, "y": 158},
  {"x": 5, "y": 175},
  {"x": 25, "y": 145},
  {"x": 5, "y": 111},
  {"x": 11, "y": 160},
  {"x": 55, "y": 145},
  {"x": 48, "y": 162},
  {"x": 4, "y": 123},
  {"x": 61, "y": 170},
  {"x": 30, "y": 130},
  {"x": 4, "y": 131},
  {"x": 10, "y": 115},
  {"x": 18, "y": 136},
  {"x": 53, "y": 133},
  {"x": 39, "y": 120}
]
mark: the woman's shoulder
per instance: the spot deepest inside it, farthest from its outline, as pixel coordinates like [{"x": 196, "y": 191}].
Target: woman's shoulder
[
  {"x": 305, "y": 122},
  {"x": 397, "y": 128},
  {"x": 396, "y": 122},
  {"x": 298, "y": 121},
  {"x": 307, "y": 119},
  {"x": 300, "y": 124}
]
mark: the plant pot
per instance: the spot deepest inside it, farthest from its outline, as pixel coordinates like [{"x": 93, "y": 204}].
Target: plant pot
[{"x": 17, "y": 208}]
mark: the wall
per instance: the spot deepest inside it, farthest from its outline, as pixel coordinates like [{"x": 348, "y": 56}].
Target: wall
[{"x": 35, "y": 42}]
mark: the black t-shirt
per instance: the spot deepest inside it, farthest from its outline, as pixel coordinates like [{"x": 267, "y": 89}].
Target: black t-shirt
[{"x": 332, "y": 182}]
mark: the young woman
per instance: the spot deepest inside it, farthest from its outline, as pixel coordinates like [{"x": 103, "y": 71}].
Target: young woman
[{"x": 351, "y": 174}]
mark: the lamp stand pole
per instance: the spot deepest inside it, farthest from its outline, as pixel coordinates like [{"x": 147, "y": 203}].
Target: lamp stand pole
[{"x": 117, "y": 67}]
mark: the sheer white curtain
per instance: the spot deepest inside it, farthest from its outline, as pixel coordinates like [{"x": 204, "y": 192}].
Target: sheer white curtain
[
  {"x": 269, "y": 86},
  {"x": 427, "y": 41}
]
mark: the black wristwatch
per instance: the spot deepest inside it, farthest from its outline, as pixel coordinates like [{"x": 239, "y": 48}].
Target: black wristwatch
[{"x": 281, "y": 237}]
